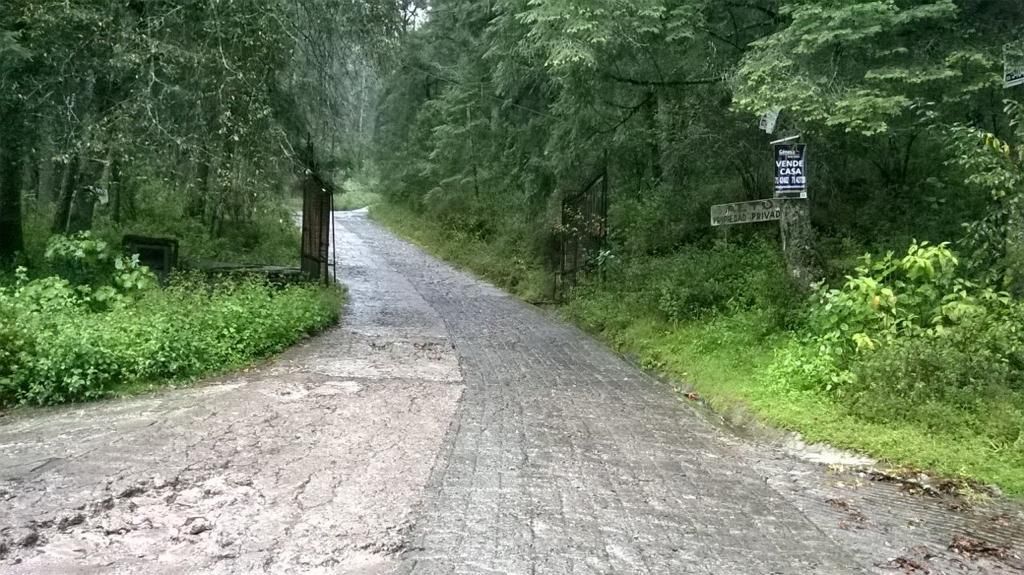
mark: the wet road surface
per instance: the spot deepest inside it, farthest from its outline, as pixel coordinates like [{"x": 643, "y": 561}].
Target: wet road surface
[{"x": 446, "y": 427}]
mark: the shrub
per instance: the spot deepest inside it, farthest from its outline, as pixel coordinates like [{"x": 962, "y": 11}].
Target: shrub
[
  {"x": 81, "y": 259},
  {"x": 954, "y": 368},
  {"x": 919, "y": 294},
  {"x": 698, "y": 282},
  {"x": 909, "y": 339},
  {"x": 55, "y": 347}
]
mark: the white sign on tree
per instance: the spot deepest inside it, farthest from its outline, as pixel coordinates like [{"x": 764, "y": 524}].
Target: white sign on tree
[{"x": 769, "y": 121}]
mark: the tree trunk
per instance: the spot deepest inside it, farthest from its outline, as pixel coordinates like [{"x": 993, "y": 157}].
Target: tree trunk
[
  {"x": 225, "y": 189},
  {"x": 46, "y": 183},
  {"x": 798, "y": 243},
  {"x": 198, "y": 194},
  {"x": 83, "y": 204},
  {"x": 12, "y": 240},
  {"x": 115, "y": 191},
  {"x": 69, "y": 183},
  {"x": 29, "y": 177},
  {"x": 126, "y": 201}
]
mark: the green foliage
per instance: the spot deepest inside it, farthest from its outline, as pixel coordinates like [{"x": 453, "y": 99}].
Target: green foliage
[
  {"x": 267, "y": 235},
  {"x": 80, "y": 259},
  {"x": 359, "y": 191},
  {"x": 88, "y": 263},
  {"x": 994, "y": 168},
  {"x": 498, "y": 111},
  {"x": 269, "y": 238},
  {"x": 111, "y": 109},
  {"x": 864, "y": 66},
  {"x": 87, "y": 272},
  {"x": 964, "y": 369},
  {"x": 57, "y": 349},
  {"x": 102, "y": 324},
  {"x": 918, "y": 294},
  {"x": 702, "y": 282},
  {"x": 889, "y": 301},
  {"x": 909, "y": 339}
]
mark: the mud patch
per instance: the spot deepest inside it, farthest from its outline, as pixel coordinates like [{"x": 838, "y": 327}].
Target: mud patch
[{"x": 379, "y": 357}]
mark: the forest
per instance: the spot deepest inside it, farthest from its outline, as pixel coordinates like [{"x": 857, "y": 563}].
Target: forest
[
  {"x": 901, "y": 337},
  {"x": 890, "y": 323},
  {"x": 182, "y": 119}
]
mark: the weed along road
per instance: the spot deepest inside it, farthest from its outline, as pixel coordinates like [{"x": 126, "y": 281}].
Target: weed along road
[{"x": 448, "y": 428}]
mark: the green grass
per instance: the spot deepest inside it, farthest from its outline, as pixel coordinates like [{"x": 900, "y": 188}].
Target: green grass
[{"x": 726, "y": 358}]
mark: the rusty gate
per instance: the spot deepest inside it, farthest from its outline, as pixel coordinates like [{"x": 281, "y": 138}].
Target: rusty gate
[
  {"x": 317, "y": 228},
  {"x": 583, "y": 231}
]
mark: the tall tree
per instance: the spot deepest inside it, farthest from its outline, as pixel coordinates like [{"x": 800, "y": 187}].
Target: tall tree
[
  {"x": 13, "y": 57},
  {"x": 207, "y": 100}
]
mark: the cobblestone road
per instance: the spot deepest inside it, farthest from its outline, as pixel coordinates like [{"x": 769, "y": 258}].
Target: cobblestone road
[
  {"x": 564, "y": 458},
  {"x": 447, "y": 428}
]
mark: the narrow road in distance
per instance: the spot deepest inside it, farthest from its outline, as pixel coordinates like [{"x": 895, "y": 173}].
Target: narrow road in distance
[{"x": 448, "y": 428}]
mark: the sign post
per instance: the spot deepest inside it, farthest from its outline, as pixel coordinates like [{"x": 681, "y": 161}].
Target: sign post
[
  {"x": 790, "y": 207},
  {"x": 798, "y": 243},
  {"x": 790, "y": 158}
]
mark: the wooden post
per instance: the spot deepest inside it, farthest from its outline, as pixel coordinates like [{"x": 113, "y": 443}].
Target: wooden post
[{"x": 798, "y": 243}]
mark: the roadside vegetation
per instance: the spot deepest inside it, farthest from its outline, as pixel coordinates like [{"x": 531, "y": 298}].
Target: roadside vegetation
[
  {"x": 102, "y": 326},
  {"x": 909, "y": 344}
]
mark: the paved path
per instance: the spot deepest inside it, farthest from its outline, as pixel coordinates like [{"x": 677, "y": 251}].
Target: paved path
[{"x": 449, "y": 428}]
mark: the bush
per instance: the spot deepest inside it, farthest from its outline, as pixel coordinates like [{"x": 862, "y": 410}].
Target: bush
[
  {"x": 909, "y": 339},
  {"x": 56, "y": 348},
  {"x": 918, "y": 294},
  {"x": 80, "y": 259},
  {"x": 700, "y": 282}
]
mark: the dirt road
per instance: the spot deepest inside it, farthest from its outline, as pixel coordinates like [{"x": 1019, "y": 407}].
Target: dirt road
[{"x": 446, "y": 427}]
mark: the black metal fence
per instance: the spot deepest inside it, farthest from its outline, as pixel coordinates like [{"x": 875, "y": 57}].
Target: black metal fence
[
  {"x": 317, "y": 229},
  {"x": 583, "y": 232}
]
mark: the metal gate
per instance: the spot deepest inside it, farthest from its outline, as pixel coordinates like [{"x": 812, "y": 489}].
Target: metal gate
[
  {"x": 317, "y": 228},
  {"x": 583, "y": 231}
]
